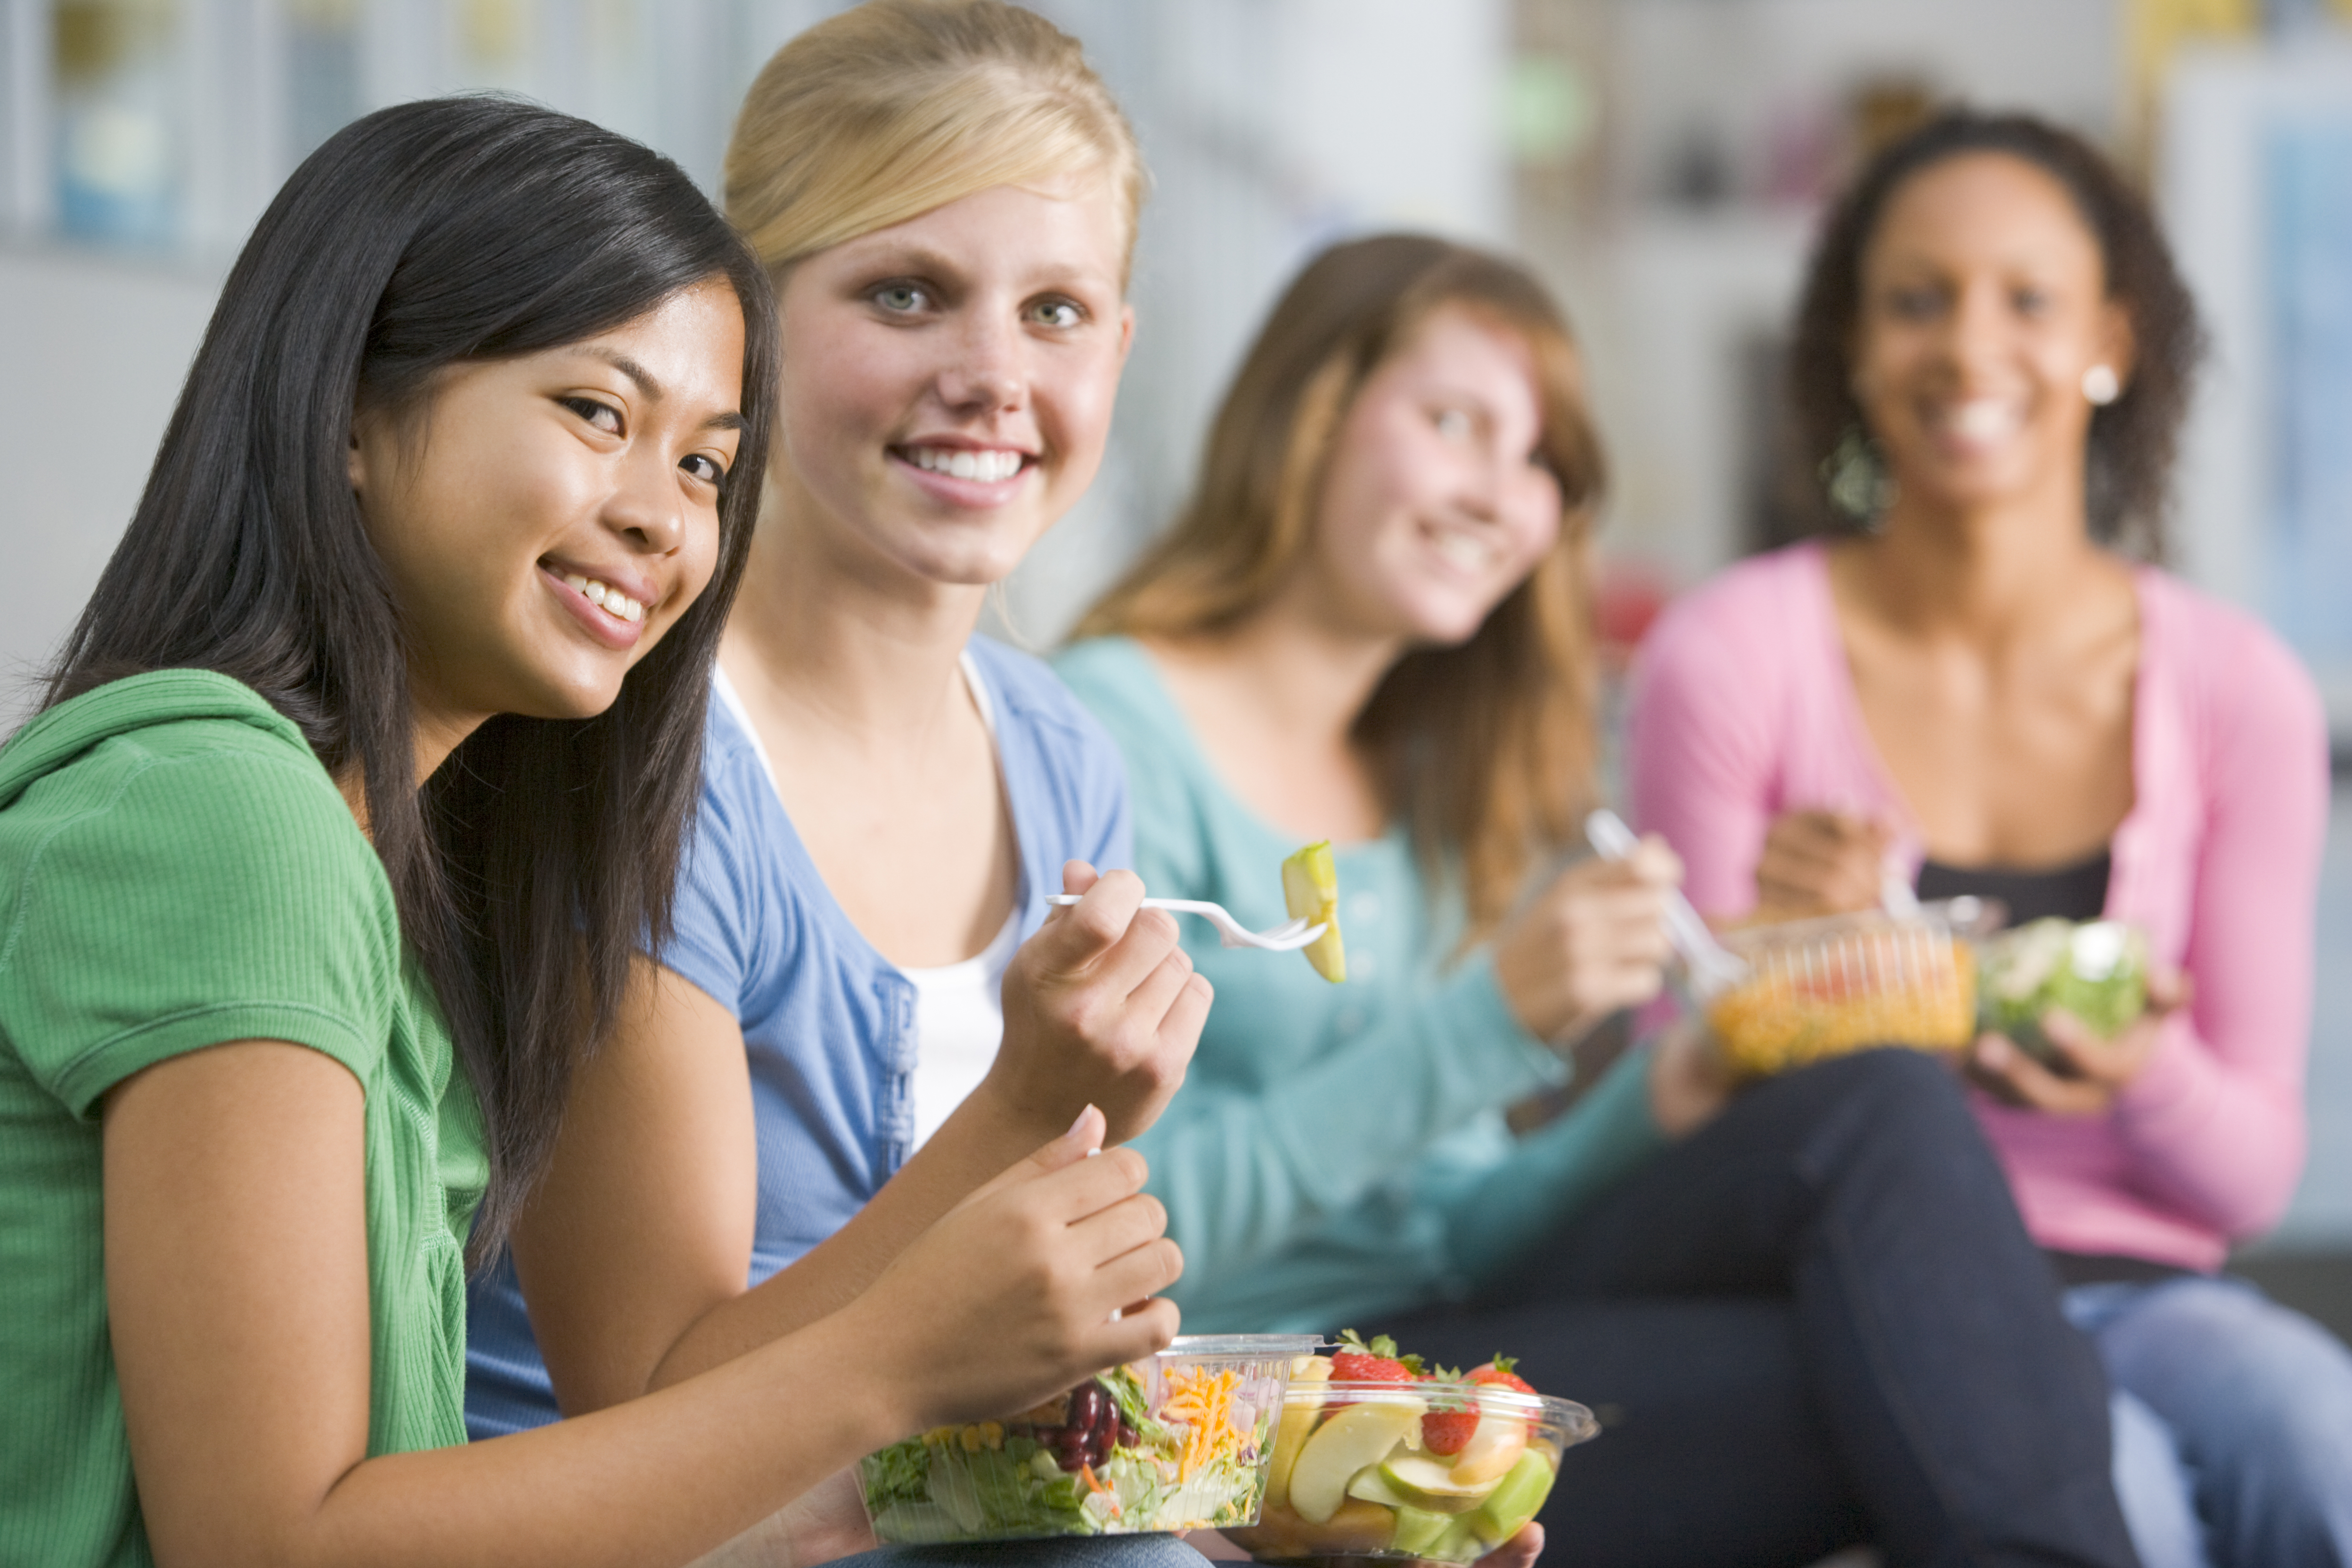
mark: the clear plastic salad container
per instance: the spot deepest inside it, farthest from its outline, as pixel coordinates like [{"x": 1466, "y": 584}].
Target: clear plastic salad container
[
  {"x": 1181, "y": 1441},
  {"x": 1353, "y": 1479},
  {"x": 2096, "y": 971},
  {"x": 1823, "y": 988}
]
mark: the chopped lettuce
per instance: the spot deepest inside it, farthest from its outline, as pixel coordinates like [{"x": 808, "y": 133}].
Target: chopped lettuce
[{"x": 2096, "y": 972}]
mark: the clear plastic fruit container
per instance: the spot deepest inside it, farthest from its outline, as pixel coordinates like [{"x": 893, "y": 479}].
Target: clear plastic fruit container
[
  {"x": 1822, "y": 988},
  {"x": 1355, "y": 1477},
  {"x": 2095, "y": 971},
  {"x": 1181, "y": 1440}
]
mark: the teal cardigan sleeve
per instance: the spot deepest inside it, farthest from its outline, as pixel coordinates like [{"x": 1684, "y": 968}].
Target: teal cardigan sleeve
[
  {"x": 1320, "y": 1120},
  {"x": 1242, "y": 1172}
]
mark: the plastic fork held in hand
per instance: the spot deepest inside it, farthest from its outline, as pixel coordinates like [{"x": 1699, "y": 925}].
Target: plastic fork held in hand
[
  {"x": 1288, "y": 937},
  {"x": 1712, "y": 966}
]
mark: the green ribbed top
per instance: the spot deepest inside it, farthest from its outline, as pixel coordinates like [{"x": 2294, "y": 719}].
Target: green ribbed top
[{"x": 176, "y": 872}]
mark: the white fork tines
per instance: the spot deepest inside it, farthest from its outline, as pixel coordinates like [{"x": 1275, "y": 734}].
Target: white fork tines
[{"x": 1288, "y": 937}]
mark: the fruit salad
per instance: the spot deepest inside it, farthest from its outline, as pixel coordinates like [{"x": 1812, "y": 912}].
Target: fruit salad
[
  {"x": 2096, "y": 971},
  {"x": 1310, "y": 890},
  {"x": 1181, "y": 1441},
  {"x": 1376, "y": 1457},
  {"x": 1825, "y": 987}
]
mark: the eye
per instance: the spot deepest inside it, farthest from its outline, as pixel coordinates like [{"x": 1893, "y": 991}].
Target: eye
[
  {"x": 1057, "y": 313},
  {"x": 707, "y": 468},
  {"x": 1454, "y": 423},
  {"x": 900, "y": 299},
  {"x": 1913, "y": 304},
  {"x": 601, "y": 415},
  {"x": 2030, "y": 301}
]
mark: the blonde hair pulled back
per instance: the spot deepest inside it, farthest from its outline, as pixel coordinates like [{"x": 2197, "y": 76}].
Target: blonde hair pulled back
[{"x": 897, "y": 107}]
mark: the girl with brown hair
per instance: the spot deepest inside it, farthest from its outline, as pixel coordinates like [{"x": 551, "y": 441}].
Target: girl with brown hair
[{"x": 1370, "y": 625}]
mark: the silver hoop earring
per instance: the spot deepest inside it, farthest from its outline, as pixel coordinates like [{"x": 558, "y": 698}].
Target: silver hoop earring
[{"x": 2101, "y": 385}]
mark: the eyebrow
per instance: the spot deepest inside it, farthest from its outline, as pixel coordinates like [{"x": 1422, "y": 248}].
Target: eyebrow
[{"x": 650, "y": 384}]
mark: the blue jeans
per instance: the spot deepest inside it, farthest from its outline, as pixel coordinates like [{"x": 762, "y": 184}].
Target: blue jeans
[
  {"x": 2232, "y": 1423},
  {"x": 1816, "y": 1322}
]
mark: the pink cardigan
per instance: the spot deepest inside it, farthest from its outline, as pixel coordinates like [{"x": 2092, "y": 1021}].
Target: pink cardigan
[{"x": 1744, "y": 708}]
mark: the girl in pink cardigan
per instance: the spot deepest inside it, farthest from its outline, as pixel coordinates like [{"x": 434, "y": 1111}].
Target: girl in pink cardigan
[{"x": 1973, "y": 688}]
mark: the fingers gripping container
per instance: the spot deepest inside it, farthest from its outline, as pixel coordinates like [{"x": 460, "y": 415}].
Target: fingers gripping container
[
  {"x": 1823, "y": 988},
  {"x": 1182, "y": 1440},
  {"x": 1354, "y": 1479}
]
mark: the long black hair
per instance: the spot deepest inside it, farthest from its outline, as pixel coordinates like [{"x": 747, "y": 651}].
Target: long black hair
[
  {"x": 2129, "y": 466},
  {"x": 536, "y": 859}
]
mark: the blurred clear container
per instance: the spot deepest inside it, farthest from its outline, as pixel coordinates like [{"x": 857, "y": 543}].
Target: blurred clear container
[
  {"x": 1821, "y": 988},
  {"x": 2095, "y": 971},
  {"x": 1355, "y": 1480},
  {"x": 1180, "y": 1441}
]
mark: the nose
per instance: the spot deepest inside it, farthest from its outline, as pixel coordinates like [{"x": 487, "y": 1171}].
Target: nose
[
  {"x": 645, "y": 508},
  {"x": 1976, "y": 330},
  {"x": 984, "y": 373},
  {"x": 1479, "y": 488}
]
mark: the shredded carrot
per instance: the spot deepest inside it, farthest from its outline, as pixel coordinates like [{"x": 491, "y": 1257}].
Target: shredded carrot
[
  {"x": 1203, "y": 1399},
  {"x": 1095, "y": 1484}
]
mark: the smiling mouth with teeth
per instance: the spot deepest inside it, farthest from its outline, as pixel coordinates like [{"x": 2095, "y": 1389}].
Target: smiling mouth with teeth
[
  {"x": 988, "y": 466},
  {"x": 612, "y": 600},
  {"x": 1461, "y": 551}
]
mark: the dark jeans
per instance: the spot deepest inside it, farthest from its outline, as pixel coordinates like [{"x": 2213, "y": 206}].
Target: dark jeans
[{"x": 1817, "y": 1322}]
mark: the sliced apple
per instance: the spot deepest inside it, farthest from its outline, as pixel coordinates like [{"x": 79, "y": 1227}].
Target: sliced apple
[
  {"x": 1372, "y": 1486},
  {"x": 1355, "y": 1528},
  {"x": 1362, "y": 1435},
  {"x": 1500, "y": 1439},
  {"x": 1515, "y": 1501},
  {"x": 1301, "y": 1408},
  {"x": 1428, "y": 1482},
  {"x": 1310, "y": 889}
]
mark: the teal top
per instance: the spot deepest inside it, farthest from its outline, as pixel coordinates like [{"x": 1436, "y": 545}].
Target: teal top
[
  {"x": 178, "y": 871},
  {"x": 1338, "y": 1152}
]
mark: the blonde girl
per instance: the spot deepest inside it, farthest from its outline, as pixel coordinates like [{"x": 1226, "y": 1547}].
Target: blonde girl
[{"x": 817, "y": 1065}]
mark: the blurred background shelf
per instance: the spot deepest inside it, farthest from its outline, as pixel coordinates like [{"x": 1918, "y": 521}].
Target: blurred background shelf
[{"x": 1663, "y": 161}]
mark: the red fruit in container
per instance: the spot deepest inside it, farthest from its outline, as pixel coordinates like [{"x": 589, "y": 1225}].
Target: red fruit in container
[
  {"x": 1357, "y": 1361},
  {"x": 1447, "y": 1431},
  {"x": 1497, "y": 1373}
]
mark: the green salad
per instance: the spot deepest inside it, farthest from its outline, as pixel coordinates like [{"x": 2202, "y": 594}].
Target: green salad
[
  {"x": 2096, "y": 971},
  {"x": 1128, "y": 1452}
]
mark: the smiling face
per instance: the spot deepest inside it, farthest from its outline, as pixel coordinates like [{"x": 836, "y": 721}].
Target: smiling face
[
  {"x": 949, "y": 381},
  {"x": 1983, "y": 303},
  {"x": 545, "y": 518},
  {"x": 1437, "y": 500}
]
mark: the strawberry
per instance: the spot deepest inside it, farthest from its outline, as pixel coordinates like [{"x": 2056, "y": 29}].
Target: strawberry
[
  {"x": 1447, "y": 1431},
  {"x": 1356, "y": 1362},
  {"x": 1497, "y": 1373}
]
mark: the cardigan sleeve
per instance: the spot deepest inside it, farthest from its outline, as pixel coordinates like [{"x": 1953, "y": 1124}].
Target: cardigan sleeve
[
  {"x": 1700, "y": 750},
  {"x": 2215, "y": 1122}
]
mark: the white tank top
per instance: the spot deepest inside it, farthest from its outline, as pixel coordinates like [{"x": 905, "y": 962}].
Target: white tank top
[{"x": 958, "y": 1007}]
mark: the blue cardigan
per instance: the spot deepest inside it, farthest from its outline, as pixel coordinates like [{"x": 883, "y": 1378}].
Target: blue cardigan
[{"x": 829, "y": 1022}]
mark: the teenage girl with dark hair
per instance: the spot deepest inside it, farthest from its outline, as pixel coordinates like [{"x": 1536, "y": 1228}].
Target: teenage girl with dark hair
[
  {"x": 360, "y": 781},
  {"x": 1993, "y": 358}
]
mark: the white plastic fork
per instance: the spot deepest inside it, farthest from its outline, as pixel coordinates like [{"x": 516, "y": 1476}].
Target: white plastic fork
[
  {"x": 1713, "y": 967},
  {"x": 1288, "y": 937}
]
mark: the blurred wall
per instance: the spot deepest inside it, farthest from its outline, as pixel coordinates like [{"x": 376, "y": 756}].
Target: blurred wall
[
  {"x": 1271, "y": 127},
  {"x": 92, "y": 353}
]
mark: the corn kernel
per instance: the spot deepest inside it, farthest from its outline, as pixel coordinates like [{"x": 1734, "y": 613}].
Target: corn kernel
[{"x": 1845, "y": 993}]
